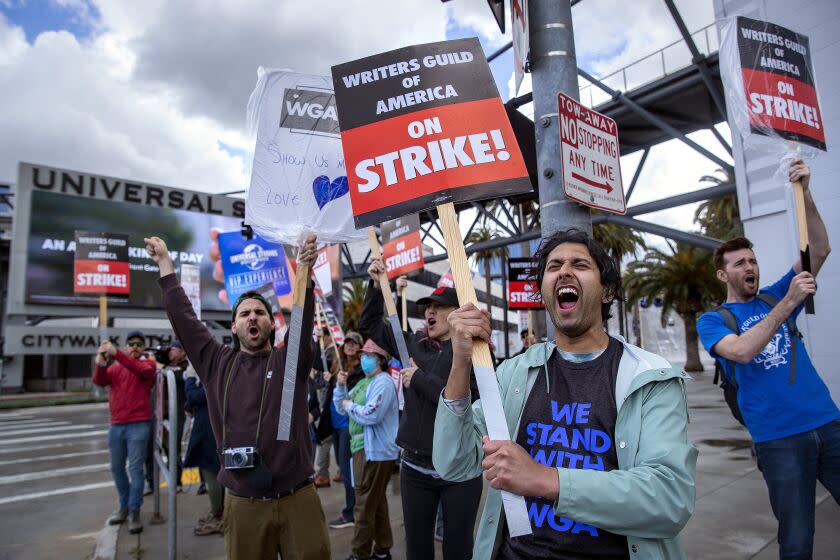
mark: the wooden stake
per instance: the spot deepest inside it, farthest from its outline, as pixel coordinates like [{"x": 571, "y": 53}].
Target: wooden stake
[
  {"x": 530, "y": 324},
  {"x": 802, "y": 229},
  {"x": 103, "y": 317},
  {"x": 461, "y": 274},
  {"x": 296, "y": 328}
]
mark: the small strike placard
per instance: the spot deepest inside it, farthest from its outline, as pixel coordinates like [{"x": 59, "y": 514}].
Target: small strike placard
[
  {"x": 521, "y": 290},
  {"x": 402, "y": 247},
  {"x": 101, "y": 263},
  {"x": 591, "y": 158}
]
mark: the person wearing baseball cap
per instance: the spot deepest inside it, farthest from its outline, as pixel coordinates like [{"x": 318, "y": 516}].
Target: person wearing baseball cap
[
  {"x": 423, "y": 380},
  {"x": 373, "y": 409},
  {"x": 271, "y": 505},
  {"x": 130, "y": 378}
]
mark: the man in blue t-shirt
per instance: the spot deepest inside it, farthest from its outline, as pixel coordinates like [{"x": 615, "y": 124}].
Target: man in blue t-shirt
[{"x": 792, "y": 419}]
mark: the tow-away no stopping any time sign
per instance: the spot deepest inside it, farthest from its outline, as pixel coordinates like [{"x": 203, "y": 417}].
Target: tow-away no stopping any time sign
[{"x": 589, "y": 148}]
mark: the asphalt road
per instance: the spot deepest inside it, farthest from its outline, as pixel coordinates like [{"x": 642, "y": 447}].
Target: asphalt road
[{"x": 55, "y": 484}]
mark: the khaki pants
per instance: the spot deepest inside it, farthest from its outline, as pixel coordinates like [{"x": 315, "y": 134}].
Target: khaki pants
[
  {"x": 373, "y": 526},
  {"x": 293, "y": 526}
]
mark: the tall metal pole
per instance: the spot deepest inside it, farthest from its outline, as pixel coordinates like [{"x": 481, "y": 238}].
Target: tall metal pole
[{"x": 553, "y": 70}]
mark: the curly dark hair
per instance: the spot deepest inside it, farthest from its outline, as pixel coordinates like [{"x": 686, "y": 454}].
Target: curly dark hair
[{"x": 610, "y": 276}]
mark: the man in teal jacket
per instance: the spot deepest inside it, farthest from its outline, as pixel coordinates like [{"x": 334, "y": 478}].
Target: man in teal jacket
[{"x": 599, "y": 447}]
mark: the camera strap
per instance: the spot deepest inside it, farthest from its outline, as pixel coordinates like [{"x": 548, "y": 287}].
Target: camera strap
[{"x": 229, "y": 376}]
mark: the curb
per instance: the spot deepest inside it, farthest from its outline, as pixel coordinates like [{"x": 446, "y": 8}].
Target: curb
[{"x": 106, "y": 542}]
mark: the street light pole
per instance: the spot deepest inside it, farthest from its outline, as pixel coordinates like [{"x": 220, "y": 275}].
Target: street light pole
[{"x": 553, "y": 70}]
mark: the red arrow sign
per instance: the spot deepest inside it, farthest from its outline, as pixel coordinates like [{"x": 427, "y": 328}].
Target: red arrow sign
[{"x": 605, "y": 185}]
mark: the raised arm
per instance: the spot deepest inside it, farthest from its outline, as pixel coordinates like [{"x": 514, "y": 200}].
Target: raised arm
[
  {"x": 371, "y": 323},
  {"x": 818, "y": 243},
  {"x": 201, "y": 346},
  {"x": 101, "y": 375},
  {"x": 746, "y": 346}
]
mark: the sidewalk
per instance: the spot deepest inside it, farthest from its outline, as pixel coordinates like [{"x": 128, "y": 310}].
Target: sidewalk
[{"x": 732, "y": 519}]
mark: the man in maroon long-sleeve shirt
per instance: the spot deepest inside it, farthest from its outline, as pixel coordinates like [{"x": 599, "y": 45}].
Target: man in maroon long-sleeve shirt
[
  {"x": 273, "y": 507},
  {"x": 130, "y": 378}
]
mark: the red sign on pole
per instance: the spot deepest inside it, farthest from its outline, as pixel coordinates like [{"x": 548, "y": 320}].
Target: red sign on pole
[
  {"x": 521, "y": 290},
  {"x": 423, "y": 126},
  {"x": 402, "y": 248},
  {"x": 101, "y": 263},
  {"x": 591, "y": 159}
]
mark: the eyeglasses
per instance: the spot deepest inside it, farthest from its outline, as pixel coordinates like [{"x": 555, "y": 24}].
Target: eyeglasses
[{"x": 136, "y": 344}]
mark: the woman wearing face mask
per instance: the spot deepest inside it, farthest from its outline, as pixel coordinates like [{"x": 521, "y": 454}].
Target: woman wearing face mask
[
  {"x": 372, "y": 408},
  {"x": 421, "y": 487}
]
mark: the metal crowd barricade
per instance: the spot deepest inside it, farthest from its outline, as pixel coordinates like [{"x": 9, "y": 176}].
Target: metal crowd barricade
[{"x": 165, "y": 381}]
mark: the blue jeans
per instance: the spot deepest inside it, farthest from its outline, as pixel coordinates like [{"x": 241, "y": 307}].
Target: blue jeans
[
  {"x": 128, "y": 442},
  {"x": 341, "y": 446},
  {"x": 791, "y": 467}
]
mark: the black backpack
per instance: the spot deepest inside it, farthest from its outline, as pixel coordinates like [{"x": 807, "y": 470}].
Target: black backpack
[{"x": 725, "y": 369}]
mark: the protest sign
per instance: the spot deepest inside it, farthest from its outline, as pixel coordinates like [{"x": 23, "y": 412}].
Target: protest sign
[
  {"x": 590, "y": 155},
  {"x": 402, "y": 248},
  {"x": 521, "y": 39},
  {"x": 322, "y": 273},
  {"x": 446, "y": 281},
  {"x": 771, "y": 93},
  {"x": 100, "y": 266},
  {"x": 268, "y": 292},
  {"x": 422, "y": 126},
  {"x": 250, "y": 263},
  {"x": 191, "y": 282},
  {"x": 298, "y": 181},
  {"x": 521, "y": 290}
]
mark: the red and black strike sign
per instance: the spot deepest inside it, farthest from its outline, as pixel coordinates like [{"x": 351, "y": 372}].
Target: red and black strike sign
[
  {"x": 779, "y": 86},
  {"x": 101, "y": 263},
  {"x": 521, "y": 291},
  {"x": 402, "y": 248},
  {"x": 422, "y": 126}
]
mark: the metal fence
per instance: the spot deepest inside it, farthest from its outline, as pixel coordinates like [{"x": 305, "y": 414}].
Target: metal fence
[{"x": 166, "y": 458}]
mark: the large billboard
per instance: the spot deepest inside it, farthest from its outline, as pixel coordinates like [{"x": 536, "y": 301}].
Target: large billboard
[{"x": 53, "y": 203}]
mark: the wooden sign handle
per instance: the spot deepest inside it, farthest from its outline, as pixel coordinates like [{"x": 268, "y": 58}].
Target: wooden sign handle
[
  {"x": 301, "y": 282},
  {"x": 530, "y": 324},
  {"x": 461, "y": 274},
  {"x": 802, "y": 230},
  {"x": 384, "y": 284},
  {"x": 103, "y": 311}
]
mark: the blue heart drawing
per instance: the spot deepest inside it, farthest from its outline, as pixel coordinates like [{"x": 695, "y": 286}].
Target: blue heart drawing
[{"x": 326, "y": 191}]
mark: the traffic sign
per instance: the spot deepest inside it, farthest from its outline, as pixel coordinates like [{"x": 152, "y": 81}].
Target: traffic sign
[{"x": 589, "y": 148}]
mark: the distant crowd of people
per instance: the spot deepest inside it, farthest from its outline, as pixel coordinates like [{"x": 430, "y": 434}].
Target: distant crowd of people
[{"x": 599, "y": 447}]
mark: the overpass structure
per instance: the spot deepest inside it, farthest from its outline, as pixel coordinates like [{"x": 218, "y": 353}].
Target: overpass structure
[{"x": 666, "y": 95}]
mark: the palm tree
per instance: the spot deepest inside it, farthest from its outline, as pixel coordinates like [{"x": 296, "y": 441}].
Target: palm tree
[
  {"x": 353, "y": 299},
  {"x": 485, "y": 257},
  {"x": 720, "y": 217},
  {"x": 619, "y": 241},
  {"x": 685, "y": 280}
]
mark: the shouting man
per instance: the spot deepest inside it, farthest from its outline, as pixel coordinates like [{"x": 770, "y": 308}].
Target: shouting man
[
  {"x": 600, "y": 450},
  {"x": 271, "y": 505},
  {"x": 793, "y": 421}
]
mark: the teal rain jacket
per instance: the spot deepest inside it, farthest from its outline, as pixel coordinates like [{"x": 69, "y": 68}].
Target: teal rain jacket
[{"x": 649, "y": 498}]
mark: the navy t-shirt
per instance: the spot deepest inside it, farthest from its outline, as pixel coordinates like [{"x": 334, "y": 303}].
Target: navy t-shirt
[
  {"x": 773, "y": 408},
  {"x": 569, "y": 422}
]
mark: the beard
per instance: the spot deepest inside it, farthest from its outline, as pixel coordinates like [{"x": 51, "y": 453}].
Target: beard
[{"x": 254, "y": 344}]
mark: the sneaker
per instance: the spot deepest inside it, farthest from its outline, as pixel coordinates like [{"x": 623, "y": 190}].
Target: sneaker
[
  {"x": 118, "y": 517},
  {"x": 134, "y": 524},
  {"x": 381, "y": 555},
  {"x": 341, "y": 523},
  {"x": 210, "y": 527},
  {"x": 337, "y": 477},
  {"x": 202, "y": 489},
  {"x": 322, "y": 481}
]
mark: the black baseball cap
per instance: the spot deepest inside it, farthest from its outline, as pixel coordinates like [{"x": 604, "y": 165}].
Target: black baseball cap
[
  {"x": 443, "y": 296},
  {"x": 251, "y": 295}
]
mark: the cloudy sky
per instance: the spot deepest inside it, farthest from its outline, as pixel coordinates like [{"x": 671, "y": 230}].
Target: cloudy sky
[{"x": 156, "y": 90}]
